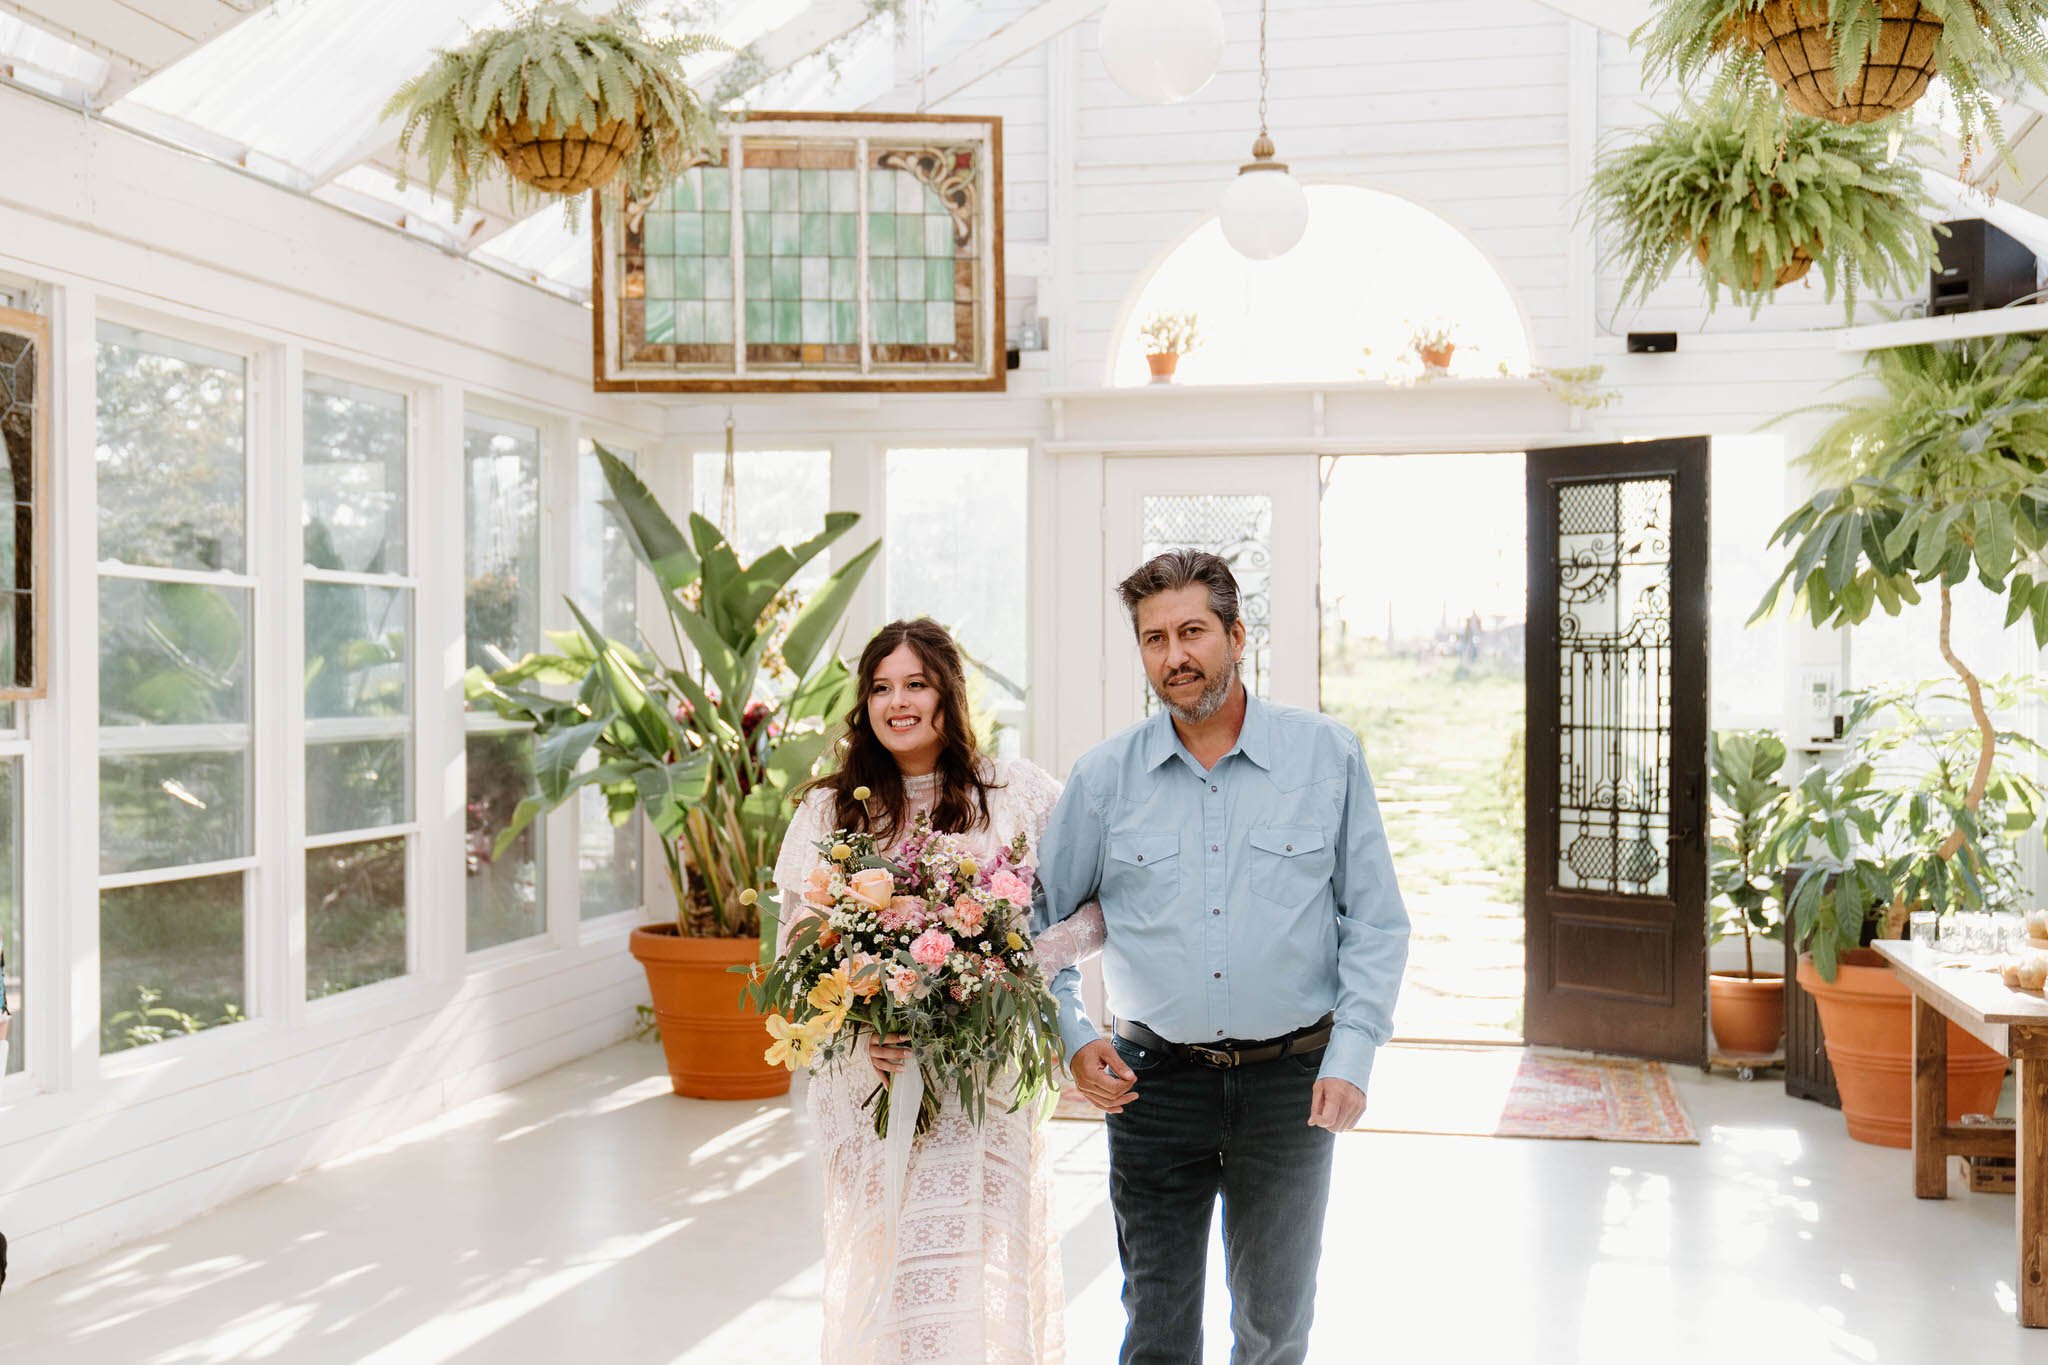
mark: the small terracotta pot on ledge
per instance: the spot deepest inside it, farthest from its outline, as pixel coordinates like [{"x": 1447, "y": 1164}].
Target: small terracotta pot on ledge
[
  {"x": 1437, "y": 357},
  {"x": 1163, "y": 363}
]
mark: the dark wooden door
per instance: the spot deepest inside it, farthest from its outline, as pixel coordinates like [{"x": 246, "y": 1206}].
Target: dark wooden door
[{"x": 1617, "y": 749}]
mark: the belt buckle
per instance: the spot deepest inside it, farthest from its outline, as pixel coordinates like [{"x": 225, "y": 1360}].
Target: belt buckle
[{"x": 1211, "y": 1057}]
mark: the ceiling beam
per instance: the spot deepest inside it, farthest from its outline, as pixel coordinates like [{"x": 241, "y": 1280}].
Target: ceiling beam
[
  {"x": 823, "y": 23},
  {"x": 150, "y": 34},
  {"x": 1020, "y": 37},
  {"x": 1619, "y": 17}
]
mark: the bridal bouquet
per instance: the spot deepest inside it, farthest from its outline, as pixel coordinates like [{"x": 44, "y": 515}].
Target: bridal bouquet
[{"x": 926, "y": 942}]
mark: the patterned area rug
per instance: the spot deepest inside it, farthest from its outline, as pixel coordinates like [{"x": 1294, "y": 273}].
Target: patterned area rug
[{"x": 1509, "y": 1092}]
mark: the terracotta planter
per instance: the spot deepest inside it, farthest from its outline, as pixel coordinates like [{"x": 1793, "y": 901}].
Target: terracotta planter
[
  {"x": 1866, "y": 1019},
  {"x": 1163, "y": 364},
  {"x": 1791, "y": 272},
  {"x": 713, "y": 1041},
  {"x": 1437, "y": 357},
  {"x": 1747, "y": 1010}
]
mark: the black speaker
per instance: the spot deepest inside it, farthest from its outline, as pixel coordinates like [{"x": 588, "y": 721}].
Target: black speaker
[
  {"x": 1980, "y": 267},
  {"x": 1652, "y": 343}
]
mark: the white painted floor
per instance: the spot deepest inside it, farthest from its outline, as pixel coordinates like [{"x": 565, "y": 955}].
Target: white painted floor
[{"x": 591, "y": 1216}]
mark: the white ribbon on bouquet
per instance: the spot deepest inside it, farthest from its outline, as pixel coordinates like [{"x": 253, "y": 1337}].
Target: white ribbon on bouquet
[{"x": 906, "y": 1099}]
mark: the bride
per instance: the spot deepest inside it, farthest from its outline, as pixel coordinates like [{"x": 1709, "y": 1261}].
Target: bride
[{"x": 976, "y": 1275}]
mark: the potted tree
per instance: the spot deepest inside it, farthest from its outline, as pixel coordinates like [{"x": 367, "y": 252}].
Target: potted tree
[
  {"x": 1852, "y": 61},
  {"x": 1168, "y": 337},
  {"x": 1746, "y": 1007},
  {"x": 1692, "y": 185},
  {"x": 557, "y": 100},
  {"x": 1937, "y": 478},
  {"x": 710, "y": 747}
]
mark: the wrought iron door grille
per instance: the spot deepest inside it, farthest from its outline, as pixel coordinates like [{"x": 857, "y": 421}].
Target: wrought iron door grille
[
  {"x": 1614, "y": 686},
  {"x": 1238, "y": 527}
]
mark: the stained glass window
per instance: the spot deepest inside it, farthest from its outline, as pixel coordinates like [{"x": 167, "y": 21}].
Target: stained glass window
[{"x": 812, "y": 254}]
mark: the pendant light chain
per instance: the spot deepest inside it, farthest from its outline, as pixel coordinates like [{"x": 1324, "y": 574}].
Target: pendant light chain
[{"x": 1262, "y": 68}]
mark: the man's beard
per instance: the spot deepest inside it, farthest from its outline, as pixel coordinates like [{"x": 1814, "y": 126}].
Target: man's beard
[{"x": 1214, "y": 692}]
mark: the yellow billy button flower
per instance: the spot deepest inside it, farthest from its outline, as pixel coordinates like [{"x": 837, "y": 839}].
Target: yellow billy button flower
[
  {"x": 749, "y": 896},
  {"x": 1016, "y": 941},
  {"x": 969, "y": 867},
  {"x": 840, "y": 853},
  {"x": 861, "y": 793}
]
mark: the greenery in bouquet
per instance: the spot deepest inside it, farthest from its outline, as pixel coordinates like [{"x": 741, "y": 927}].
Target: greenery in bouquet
[
  {"x": 923, "y": 941},
  {"x": 712, "y": 748}
]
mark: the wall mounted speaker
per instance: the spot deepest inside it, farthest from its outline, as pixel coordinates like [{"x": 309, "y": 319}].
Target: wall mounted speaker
[
  {"x": 1652, "y": 343},
  {"x": 1981, "y": 267}
]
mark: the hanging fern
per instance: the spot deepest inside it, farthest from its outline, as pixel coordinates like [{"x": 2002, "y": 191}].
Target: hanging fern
[
  {"x": 1692, "y": 187},
  {"x": 1984, "y": 46},
  {"x": 552, "y": 63}
]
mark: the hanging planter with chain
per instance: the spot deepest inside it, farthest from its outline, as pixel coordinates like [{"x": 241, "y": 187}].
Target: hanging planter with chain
[{"x": 558, "y": 101}]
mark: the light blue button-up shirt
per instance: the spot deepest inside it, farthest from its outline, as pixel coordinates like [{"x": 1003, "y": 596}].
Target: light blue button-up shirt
[{"x": 1244, "y": 901}]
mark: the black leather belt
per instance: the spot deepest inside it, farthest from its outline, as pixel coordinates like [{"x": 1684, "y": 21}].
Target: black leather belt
[{"x": 1227, "y": 1055}]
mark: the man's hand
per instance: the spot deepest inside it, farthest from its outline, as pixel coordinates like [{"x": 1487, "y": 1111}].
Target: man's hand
[
  {"x": 1339, "y": 1105},
  {"x": 1102, "y": 1078}
]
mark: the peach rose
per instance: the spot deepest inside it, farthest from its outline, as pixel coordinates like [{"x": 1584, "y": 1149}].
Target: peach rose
[
  {"x": 872, "y": 886},
  {"x": 903, "y": 984},
  {"x": 864, "y": 970},
  {"x": 818, "y": 886}
]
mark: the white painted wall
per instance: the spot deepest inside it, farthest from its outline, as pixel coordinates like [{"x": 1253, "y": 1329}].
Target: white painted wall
[{"x": 95, "y": 1151}]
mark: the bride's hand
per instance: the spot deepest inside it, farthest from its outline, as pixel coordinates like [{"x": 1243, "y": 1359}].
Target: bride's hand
[{"x": 886, "y": 1057}]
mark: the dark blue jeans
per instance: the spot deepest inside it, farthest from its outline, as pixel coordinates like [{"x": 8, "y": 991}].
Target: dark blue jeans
[{"x": 1194, "y": 1133}]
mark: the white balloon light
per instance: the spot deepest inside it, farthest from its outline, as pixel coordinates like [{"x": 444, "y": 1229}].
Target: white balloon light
[
  {"x": 1161, "y": 51},
  {"x": 1265, "y": 210}
]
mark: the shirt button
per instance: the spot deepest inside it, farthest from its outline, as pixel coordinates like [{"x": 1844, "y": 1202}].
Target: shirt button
[
  {"x": 1215, "y": 848},
  {"x": 1216, "y": 911},
  {"x": 1212, "y": 786},
  {"x": 1219, "y": 1033},
  {"x": 1219, "y": 976},
  {"x": 1141, "y": 857},
  {"x": 1290, "y": 848}
]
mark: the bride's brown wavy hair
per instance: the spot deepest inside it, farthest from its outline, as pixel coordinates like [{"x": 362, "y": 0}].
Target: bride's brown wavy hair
[{"x": 962, "y": 803}]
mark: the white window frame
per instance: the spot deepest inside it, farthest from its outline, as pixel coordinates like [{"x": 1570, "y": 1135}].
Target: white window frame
[
  {"x": 419, "y": 400},
  {"x": 267, "y": 1001}
]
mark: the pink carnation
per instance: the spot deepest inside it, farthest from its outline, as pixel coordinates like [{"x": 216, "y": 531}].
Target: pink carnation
[
  {"x": 903, "y": 912},
  {"x": 931, "y": 947},
  {"x": 967, "y": 915},
  {"x": 1010, "y": 887}
]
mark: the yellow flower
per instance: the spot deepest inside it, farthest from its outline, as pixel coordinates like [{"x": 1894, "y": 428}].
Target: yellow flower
[
  {"x": 861, "y": 793},
  {"x": 827, "y": 1022},
  {"x": 840, "y": 853},
  {"x": 749, "y": 896},
  {"x": 968, "y": 867},
  {"x": 1016, "y": 940},
  {"x": 831, "y": 991},
  {"x": 793, "y": 1045}
]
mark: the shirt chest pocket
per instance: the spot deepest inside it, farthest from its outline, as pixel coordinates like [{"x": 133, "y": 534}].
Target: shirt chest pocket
[
  {"x": 1289, "y": 863},
  {"x": 1142, "y": 873}
]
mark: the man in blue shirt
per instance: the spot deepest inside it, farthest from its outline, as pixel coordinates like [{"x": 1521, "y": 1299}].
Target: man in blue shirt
[{"x": 1256, "y": 943}]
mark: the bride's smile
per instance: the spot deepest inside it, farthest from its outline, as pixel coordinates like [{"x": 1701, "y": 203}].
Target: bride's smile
[{"x": 903, "y": 709}]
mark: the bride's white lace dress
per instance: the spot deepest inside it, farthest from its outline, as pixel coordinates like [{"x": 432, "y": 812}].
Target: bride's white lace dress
[{"x": 977, "y": 1267}]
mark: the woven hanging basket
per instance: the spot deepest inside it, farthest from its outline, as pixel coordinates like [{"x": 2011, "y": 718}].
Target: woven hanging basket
[
  {"x": 1791, "y": 272},
  {"x": 1792, "y": 35},
  {"x": 562, "y": 160}
]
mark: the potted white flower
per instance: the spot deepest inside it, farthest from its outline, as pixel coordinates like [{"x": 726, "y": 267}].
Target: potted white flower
[{"x": 1168, "y": 337}]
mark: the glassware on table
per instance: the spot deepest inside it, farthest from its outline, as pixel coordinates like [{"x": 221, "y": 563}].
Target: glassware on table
[
  {"x": 2008, "y": 932},
  {"x": 1924, "y": 928},
  {"x": 1982, "y": 930},
  {"x": 1954, "y": 937}
]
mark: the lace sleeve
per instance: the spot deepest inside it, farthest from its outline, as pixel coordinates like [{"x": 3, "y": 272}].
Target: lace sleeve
[
  {"x": 1073, "y": 940},
  {"x": 1081, "y": 935},
  {"x": 795, "y": 861}
]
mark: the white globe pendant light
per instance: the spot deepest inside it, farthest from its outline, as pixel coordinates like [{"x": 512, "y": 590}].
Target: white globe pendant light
[
  {"x": 1265, "y": 210},
  {"x": 1161, "y": 51}
]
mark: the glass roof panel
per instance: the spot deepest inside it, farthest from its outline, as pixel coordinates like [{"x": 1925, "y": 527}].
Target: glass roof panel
[
  {"x": 48, "y": 63},
  {"x": 304, "y": 82},
  {"x": 543, "y": 246}
]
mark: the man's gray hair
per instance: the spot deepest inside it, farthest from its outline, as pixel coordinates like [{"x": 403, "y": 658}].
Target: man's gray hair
[{"x": 1177, "y": 569}]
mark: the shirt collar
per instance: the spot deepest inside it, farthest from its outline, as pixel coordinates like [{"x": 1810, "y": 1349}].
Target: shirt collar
[{"x": 1254, "y": 738}]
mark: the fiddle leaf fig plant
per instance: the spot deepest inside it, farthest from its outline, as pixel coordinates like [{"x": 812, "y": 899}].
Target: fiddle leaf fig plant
[
  {"x": 1936, "y": 479},
  {"x": 1749, "y": 804},
  {"x": 1827, "y": 197}
]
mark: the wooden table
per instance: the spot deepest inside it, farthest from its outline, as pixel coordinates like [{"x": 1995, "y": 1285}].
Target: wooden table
[{"x": 2015, "y": 1024}]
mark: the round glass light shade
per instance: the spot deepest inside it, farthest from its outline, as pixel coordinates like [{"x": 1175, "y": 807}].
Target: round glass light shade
[
  {"x": 1160, "y": 51},
  {"x": 1265, "y": 211}
]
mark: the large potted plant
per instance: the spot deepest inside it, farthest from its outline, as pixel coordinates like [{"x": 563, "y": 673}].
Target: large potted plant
[
  {"x": 1824, "y": 196},
  {"x": 1746, "y": 1007},
  {"x": 557, "y": 100},
  {"x": 711, "y": 747},
  {"x": 1937, "y": 478},
  {"x": 1853, "y": 61}
]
